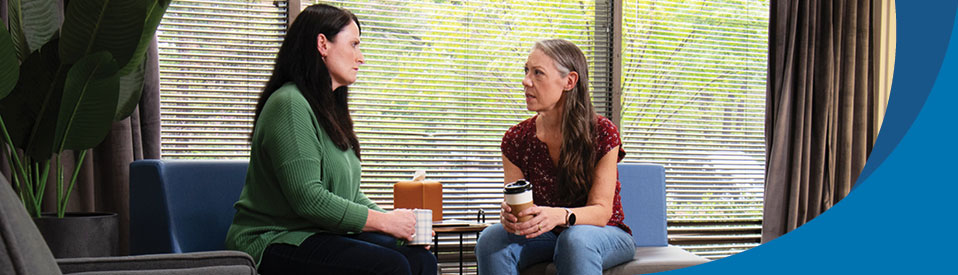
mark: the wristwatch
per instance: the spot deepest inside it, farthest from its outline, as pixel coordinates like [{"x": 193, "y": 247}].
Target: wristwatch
[{"x": 569, "y": 217}]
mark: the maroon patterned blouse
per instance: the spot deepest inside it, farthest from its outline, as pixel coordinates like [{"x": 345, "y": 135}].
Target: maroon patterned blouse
[{"x": 521, "y": 146}]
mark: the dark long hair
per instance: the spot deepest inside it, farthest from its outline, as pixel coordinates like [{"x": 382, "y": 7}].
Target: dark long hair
[
  {"x": 299, "y": 61},
  {"x": 577, "y": 159}
]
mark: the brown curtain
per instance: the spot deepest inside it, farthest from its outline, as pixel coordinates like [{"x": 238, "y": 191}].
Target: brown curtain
[
  {"x": 3, "y": 12},
  {"x": 103, "y": 183},
  {"x": 819, "y": 108}
]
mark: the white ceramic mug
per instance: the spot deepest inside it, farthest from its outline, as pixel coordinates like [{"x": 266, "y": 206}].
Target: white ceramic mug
[{"x": 423, "y": 227}]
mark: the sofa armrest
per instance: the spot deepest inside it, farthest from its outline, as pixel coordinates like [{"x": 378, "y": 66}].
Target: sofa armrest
[{"x": 216, "y": 262}]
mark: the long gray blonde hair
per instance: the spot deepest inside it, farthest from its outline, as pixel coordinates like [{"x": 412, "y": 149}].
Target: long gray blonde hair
[{"x": 577, "y": 156}]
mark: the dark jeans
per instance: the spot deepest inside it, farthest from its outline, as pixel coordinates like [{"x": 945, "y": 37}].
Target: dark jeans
[{"x": 365, "y": 253}]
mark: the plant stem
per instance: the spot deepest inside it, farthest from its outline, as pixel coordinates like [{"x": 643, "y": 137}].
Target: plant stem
[
  {"x": 16, "y": 179},
  {"x": 30, "y": 188},
  {"x": 37, "y": 197},
  {"x": 28, "y": 174},
  {"x": 42, "y": 185},
  {"x": 73, "y": 181},
  {"x": 36, "y": 172},
  {"x": 14, "y": 158},
  {"x": 59, "y": 186}
]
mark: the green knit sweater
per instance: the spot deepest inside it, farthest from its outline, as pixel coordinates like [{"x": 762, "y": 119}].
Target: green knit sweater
[{"x": 298, "y": 183}]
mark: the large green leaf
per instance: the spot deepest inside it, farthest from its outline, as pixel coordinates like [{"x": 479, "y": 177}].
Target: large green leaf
[
  {"x": 32, "y": 24},
  {"x": 131, "y": 88},
  {"x": 95, "y": 25},
  {"x": 9, "y": 65},
  {"x": 131, "y": 75},
  {"x": 89, "y": 98},
  {"x": 30, "y": 111}
]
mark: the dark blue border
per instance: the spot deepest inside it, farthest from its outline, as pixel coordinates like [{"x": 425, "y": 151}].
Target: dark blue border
[{"x": 898, "y": 218}]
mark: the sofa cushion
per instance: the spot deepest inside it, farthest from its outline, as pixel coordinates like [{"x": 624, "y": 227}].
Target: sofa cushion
[
  {"x": 648, "y": 259},
  {"x": 643, "y": 200}
]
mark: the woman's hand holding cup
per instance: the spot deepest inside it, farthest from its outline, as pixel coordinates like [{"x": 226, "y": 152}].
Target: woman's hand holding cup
[
  {"x": 507, "y": 219},
  {"x": 401, "y": 224},
  {"x": 543, "y": 219}
]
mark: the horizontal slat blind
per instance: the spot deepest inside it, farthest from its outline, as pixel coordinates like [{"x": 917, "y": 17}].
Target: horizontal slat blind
[
  {"x": 442, "y": 84},
  {"x": 215, "y": 56},
  {"x": 694, "y": 101}
]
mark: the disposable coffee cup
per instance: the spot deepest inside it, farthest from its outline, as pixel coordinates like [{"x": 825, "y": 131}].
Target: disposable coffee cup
[
  {"x": 518, "y": 196},
  {"x": 423, "y": 227}
]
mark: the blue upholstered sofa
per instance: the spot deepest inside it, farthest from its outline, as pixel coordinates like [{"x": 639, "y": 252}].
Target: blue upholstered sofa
[
  {"x": 179, "y": 206},
  {"x": 187, "y": 206}
]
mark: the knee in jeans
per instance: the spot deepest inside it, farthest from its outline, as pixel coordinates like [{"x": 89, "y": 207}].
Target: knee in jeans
[
  {"x": 490, "y": 240},
  {"x": 576, "y": 238}
]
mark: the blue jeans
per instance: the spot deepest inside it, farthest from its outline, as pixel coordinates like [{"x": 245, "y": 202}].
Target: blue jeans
[
  {"x": 580, "y": 249},
  {"x": 364, "y": 253}
]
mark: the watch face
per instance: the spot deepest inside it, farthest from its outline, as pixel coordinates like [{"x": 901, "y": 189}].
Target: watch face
[{"x": 571, "y": 219}]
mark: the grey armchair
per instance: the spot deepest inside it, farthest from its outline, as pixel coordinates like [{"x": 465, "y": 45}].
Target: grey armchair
[{"x": 23, "y": 251}]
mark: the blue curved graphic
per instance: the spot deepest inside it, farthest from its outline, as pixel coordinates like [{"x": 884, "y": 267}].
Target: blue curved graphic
[
  {"x": 923, "y": 33},
  {"x": 897, "y": 221}
]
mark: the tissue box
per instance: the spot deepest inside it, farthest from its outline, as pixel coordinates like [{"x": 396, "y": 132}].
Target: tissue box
[{"x": 419, "y": 194}]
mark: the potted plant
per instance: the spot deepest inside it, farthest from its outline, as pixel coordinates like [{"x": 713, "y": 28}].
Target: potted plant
[{"x": 62, "y": 85}]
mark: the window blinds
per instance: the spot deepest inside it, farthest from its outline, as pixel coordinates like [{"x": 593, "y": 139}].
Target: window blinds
[
  {"x": 215, "y": 56},
  {"x": 694, "y": 100},
  {"x": 442, "y": 84}
]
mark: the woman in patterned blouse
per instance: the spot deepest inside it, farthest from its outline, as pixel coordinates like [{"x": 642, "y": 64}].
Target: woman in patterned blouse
[{"x": 564, "y": 151}]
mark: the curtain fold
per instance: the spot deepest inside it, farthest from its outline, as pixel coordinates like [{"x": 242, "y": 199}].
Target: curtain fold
[
  {"x": 3, "y": 12},
  {"x": 103, "y": 182},
  {"x": 819, "y": 111}
]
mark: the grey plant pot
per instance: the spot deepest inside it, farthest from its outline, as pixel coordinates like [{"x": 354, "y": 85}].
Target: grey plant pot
[{"x": 94, "y": 234}]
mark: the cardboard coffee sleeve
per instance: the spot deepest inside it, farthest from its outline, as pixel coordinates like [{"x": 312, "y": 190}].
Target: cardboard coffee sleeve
[{"x": 518, "y": 196}]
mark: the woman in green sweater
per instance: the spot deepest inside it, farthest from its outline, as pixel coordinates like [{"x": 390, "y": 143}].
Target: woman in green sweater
[{"x": 301, "y": 211}]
